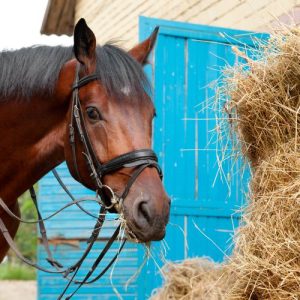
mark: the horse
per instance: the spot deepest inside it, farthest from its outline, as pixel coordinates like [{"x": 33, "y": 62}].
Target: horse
[{"x": 37, "y": 87}]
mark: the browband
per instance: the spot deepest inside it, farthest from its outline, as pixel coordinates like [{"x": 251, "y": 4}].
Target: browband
[{"x": 84, "y": 80}]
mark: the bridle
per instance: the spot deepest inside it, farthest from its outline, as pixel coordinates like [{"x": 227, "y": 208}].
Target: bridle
[{"x": 138, "y": 160}]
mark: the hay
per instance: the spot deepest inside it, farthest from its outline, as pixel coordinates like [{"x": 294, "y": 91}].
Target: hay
[
  {"x": 266, "y": 104},
  {"x": 265, "y": 99},
  {"x": 196, "y": 278},
  {"x": 266, "y": 259},
  {"x": 263, "y": 108}
]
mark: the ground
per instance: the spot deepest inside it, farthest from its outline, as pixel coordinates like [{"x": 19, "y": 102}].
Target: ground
[{"x": 17, "y": 289}]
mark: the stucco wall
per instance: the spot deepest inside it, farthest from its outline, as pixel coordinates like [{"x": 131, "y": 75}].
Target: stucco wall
[{"x": 118, "y": 19}]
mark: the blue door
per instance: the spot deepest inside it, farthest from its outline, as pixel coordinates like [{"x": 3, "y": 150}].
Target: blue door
[
  {"x": 187, "y": 59},
  {"x": 205, "y": 194}
]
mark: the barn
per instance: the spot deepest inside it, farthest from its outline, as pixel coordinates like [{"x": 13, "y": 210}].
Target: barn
[{"x": 187, "y": 58}]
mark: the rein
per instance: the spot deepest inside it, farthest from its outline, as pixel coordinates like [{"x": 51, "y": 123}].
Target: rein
[{"x": 138, "y": 160}]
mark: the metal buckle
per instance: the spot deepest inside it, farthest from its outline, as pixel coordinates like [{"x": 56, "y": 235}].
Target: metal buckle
[{"x": 114, "y": 199}]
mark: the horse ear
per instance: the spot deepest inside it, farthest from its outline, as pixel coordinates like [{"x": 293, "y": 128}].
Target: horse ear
[
  {"x": 141, "y": 51},
  {"x": 84, "y": 43}
]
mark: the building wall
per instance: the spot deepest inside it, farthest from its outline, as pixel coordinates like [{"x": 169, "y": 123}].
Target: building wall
[{"x": 118, "y": 19}]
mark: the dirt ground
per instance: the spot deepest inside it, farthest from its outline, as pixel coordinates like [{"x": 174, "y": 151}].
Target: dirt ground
[{"x": 17, "y": 289}]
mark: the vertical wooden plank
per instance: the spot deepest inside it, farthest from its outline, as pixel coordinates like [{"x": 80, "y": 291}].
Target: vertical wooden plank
[{"x": 170, "y": 99}]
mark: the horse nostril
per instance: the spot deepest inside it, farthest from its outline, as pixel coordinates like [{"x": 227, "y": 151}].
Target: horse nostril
[
  {"x": 144, "y": 211},
  {"x": 147, "y": 221}
]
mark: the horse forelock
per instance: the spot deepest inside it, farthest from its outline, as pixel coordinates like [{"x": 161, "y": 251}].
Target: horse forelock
[{"x": 121, "y": 74}]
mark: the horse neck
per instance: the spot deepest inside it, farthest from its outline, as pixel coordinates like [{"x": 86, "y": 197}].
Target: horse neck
[{"x": 32, "y": 138}]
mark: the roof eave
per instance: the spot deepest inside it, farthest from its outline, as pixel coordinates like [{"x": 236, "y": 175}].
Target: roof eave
[{"x": 59, "y": 17}]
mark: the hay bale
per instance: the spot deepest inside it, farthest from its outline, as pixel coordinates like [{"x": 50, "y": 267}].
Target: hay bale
[
  {"x": 265, "y": 99},
  {"x": 264, "y": 114},
  {"x": 266, "y": 104},
  {"x": 196, "y": 278},
  {"x": 266, "y": 258}
]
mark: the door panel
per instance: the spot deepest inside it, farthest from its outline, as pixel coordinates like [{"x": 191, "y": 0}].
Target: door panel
[{"x": 205, "y": 186}]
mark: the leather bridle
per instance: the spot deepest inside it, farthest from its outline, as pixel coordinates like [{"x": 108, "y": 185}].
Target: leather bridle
[{"x": 138, "y": 160}]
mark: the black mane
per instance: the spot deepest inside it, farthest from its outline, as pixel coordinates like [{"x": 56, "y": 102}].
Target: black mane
[{"x": 34, "y": 70}]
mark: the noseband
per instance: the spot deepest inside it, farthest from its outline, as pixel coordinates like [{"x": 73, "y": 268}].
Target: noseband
[{"x": 139, "y": 160}]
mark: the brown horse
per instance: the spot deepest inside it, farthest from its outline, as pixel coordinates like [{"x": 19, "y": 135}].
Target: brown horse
[{"x": 35, "y": 112}]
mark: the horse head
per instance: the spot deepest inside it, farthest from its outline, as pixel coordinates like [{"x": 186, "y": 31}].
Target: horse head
[{"x": 115, "y": 114}]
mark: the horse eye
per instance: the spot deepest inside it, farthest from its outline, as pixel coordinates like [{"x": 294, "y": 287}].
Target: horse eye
[{"x": 93, "y": 113}]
